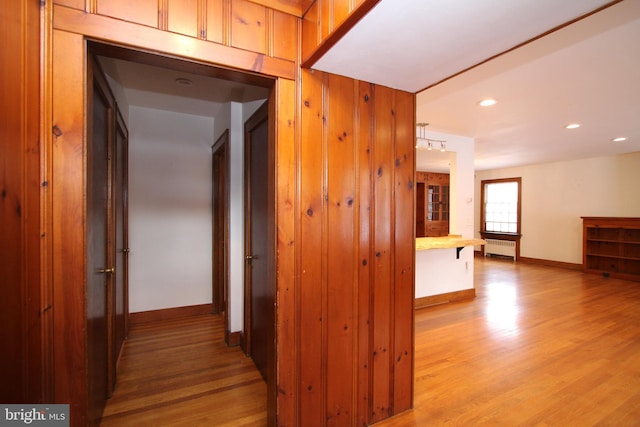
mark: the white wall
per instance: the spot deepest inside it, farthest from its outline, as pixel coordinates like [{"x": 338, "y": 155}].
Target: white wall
[
  {"x": 556, "y": 195},
  {"x": 438, "y": 271},
  {"x": 169, "y": 209},
  {"x": 232, "y": 116}
]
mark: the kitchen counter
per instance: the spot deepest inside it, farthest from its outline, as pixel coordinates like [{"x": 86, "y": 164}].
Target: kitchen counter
[{"x": 450, "y": 241}]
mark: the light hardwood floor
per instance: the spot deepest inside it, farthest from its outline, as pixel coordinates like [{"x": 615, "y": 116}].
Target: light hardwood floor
[{"x": 537, "y": 346}]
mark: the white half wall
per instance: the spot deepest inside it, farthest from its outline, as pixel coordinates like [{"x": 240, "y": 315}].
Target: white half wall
[
  {"x": 169, "y": 209},
  {"x": 555, "y": 196}
]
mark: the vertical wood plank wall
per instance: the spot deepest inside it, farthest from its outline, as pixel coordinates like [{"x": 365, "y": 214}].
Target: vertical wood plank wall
[
  {"x": 356, "y": 251},
  {"x": 20, "y": 312},
  {"x": 344, "y": 203}
]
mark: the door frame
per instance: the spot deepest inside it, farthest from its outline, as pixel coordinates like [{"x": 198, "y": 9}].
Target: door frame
[{"x": 220, "y": 289}]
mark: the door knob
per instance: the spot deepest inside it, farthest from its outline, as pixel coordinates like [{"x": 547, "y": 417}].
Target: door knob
[
  {"x": 250, "y": 257},
  {"x": 106, "y": 270}
]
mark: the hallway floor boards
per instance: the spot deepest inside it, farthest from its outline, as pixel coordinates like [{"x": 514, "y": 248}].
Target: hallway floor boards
[{"x": 537, "y": 346}]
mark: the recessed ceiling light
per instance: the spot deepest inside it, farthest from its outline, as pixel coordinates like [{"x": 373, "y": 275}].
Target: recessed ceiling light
[
  {"x": 181, "y": 81},
  {"x": 619, "y": 139},
  {"x": 488, "y": 102},
  {"x": 573, "y": 126}
]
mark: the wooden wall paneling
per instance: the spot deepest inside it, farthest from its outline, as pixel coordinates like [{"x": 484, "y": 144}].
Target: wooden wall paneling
[
  {"x": 144, "y": 38},
  {"x": 68, "y": 213},
  {"x": 249, "y": 26},
  {"x": 20, "y": 203},
  {"x": 291, "y": 7},
  {"x": 284, "y": 36},
  {"x": 311, "y": 35},
  {"x": 144, "y": 12},
  {"x": 404, "y": 115},
  {"x": 341, "y": 11},
  {"x": 341, "y": 249},
  {"x": 365, "y": 276},
  {"x": 75, "y": 4},
  {"x": 217, "y": 25},
  {"x": 325, "y": 13},
  {"x": 312, "y": 230},
  {"x": 182, "y": 17},
  {"x": 288, "y": 167},
  {"x": 383, "y": 222}
]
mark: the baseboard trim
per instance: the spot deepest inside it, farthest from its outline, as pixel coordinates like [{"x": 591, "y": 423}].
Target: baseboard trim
[
  {"x": 550, "y": 263},
  {"x": 233, "y": 339},
  {"x": 445, "y": 298},
  {"x": 169, "y": 314}
]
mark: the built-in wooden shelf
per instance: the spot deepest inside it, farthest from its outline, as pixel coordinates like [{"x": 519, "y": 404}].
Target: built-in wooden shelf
[{"x": 611, "y": 246}]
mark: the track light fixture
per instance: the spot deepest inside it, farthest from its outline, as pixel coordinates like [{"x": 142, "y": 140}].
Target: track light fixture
[{"x": 423, "y": 142}]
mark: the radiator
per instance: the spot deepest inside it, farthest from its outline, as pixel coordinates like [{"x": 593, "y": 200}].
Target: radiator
[{"x": 500, "y": 247}]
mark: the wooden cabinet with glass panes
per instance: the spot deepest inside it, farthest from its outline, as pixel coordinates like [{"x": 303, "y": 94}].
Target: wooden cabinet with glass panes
[
  {"x": 432, "y": 204},
  {"x": 611, "y": 246}
]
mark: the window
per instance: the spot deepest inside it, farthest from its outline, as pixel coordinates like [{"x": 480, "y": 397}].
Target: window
[{"x": 500, "y": 199}]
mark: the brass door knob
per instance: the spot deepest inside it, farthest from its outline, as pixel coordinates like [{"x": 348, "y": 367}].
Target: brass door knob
[{"x": 106, "y": 270}]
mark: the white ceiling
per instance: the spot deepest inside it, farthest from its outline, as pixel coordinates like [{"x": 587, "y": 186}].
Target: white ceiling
[
  {"x": 156, "y": 87},
  {"x": 587, "y": 72}
]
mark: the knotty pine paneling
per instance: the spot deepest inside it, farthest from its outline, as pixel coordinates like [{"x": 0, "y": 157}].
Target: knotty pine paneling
[
  {"x": 249, "y": 26},
  {"x": 287, "y": 149},
  {"x": 68, "y": 217},
  {"x": 313, "y": 247},
  {"x": 310, "y": 31},
  {"x": 356, "y": 185},
  {"x": 20, "y": 184},
  {"x": 144, "y": 12},
  {"x": 182, "y": 17},
  {"x": 404, "y": 288},
  {"x": 382, "y": 262},
  {"x": 75, "y": 4},
  {"x": 285, "y": 36},
  {"x": 215, "y": 23},
  {"x": 291, "y": 7},
  {"x": 342, "y": 249},
  {"x": 365, "y": 141}
]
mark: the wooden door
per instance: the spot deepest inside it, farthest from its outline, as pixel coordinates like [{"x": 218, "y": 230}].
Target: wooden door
[
  {"x": 99, "y": 259},
  {"x": 260, "y": 312},
  {"x": 120, "y": 301},
  {"x": 220, "y": 203}
]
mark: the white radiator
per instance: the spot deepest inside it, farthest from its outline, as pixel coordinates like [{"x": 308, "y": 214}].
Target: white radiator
[{"x": 500, "y": 247}]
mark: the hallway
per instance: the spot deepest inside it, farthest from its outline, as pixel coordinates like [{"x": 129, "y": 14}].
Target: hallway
[
  {"x": 181, "y": 373},
  {"x": 537, "y": 346}
]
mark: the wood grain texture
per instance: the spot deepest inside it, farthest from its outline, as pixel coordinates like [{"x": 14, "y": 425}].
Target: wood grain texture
[
  {"x": 180, "y": 372},
  {"x": 68, "y": 216},
  {"x": 124, "y": 33},
  {"x": 352, "y": 306},
  {"x": 141, "y": 317},
  {"x": 287, "y": 155},
  {"x": 537, "y": 346},
  {"x": 20, "y": 187}
]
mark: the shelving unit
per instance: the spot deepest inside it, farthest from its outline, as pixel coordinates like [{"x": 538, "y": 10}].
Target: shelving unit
[
  {"x": 611, "y": 247},
  {"x": 432, "y": 204}
]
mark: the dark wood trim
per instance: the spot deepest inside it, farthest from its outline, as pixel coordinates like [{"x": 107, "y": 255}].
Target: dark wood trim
[
  {"x": 551, "y": 263},
  {"x": 514, "y": 237},
  {"x": 455, "y": 296},
  {"x": 150, "y": 316},
  {"x": 233, "y": 339},
  {"x": 518, "y": 46},
  {"x": 339, "y": 32},
  {"x": 221, "y": 150}
]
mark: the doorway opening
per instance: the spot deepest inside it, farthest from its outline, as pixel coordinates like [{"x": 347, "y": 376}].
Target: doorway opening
[{"x": 176, "y": 112}]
